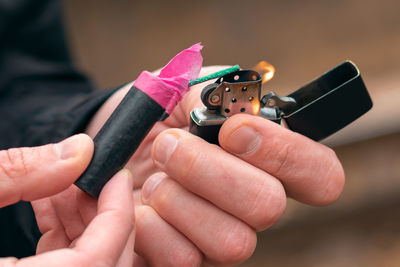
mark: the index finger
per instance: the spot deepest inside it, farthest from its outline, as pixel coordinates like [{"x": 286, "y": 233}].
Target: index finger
[{"x": 309, "y": 171}]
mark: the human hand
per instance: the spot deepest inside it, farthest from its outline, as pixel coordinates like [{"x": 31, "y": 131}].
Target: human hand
[
  {"x": 208, "y": 206},
  {"x": 212, "y": 200},
  {"x": 34, "y": 173}
]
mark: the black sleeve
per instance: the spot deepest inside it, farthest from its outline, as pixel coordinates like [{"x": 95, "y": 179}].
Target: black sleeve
[{"x": 43, "y": 99}]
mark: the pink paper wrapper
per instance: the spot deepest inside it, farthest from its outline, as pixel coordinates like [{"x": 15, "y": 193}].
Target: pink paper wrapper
[{"x": 169, "y": 87}]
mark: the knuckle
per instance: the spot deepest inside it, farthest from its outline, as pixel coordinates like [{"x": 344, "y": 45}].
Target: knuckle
[
  {"x": 238, "y": 245},
  {"x": 268, "y": 205},
  {"x": 280, "y": 154},
  {"x": 190, "y": 162},
  {"x": 12, "y": 162}
]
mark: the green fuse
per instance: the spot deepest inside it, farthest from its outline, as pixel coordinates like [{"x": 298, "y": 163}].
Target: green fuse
[{"x": 215, "y": 75}]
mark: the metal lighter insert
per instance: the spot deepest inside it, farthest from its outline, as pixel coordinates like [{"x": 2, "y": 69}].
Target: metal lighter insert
[{"x": 316, "y": 110}]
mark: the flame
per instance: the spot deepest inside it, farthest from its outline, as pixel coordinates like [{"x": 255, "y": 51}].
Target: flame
[
  {"x": 255, "y": 105},
  {"x": 266, "y": 70}
]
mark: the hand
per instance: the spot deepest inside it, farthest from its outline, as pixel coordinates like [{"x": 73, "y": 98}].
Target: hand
[
  {"x": 212, "y": 200},
  {"x": 208, "y": 204},
  {"x": 34, "y": 173}
]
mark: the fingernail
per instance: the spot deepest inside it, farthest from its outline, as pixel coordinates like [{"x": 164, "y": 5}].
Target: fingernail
[
  {"x": 69, "y": 148},
  {"x": 164, "y": 147},
  {"x": 243, "y": 140},
  {"x": 150, "y": 185}
]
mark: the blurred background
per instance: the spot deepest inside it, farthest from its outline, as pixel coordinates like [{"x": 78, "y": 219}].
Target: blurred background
[{"x": 113, "y": 41}]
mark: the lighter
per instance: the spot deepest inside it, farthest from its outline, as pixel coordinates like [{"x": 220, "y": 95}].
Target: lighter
[{"x": 316, "y": 110}]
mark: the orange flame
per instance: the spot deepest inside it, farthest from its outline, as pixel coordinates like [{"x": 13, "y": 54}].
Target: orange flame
[
  {"x": 266, "y": 70},
  {"x": 255, "y": 105}
]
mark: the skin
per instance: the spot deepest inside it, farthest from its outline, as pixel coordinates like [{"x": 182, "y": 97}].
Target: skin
[
  {"x": 106, "y": 232},
  {"x": 198, "y": 204}
]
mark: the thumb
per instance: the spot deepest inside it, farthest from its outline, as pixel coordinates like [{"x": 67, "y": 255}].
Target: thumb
[{"x": 36, "y": 172}]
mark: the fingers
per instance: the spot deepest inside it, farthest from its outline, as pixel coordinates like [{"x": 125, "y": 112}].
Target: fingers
[
  {"x": 105, "y": 239},
  {"x": 160, "y": 243},
  {"x": 65, "y": 205},
  {"x": 232, "y": 184},
  {"x": 53, "y": 233},
  {"x": 223, "y": 238},
  {"x": 63, "y": 218},
  {"x": 310, "y": 171},
  {"x": 107, "y": 234},
  {"x": 33, "y": 173},
  {"x": 87, "y": 207}
]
